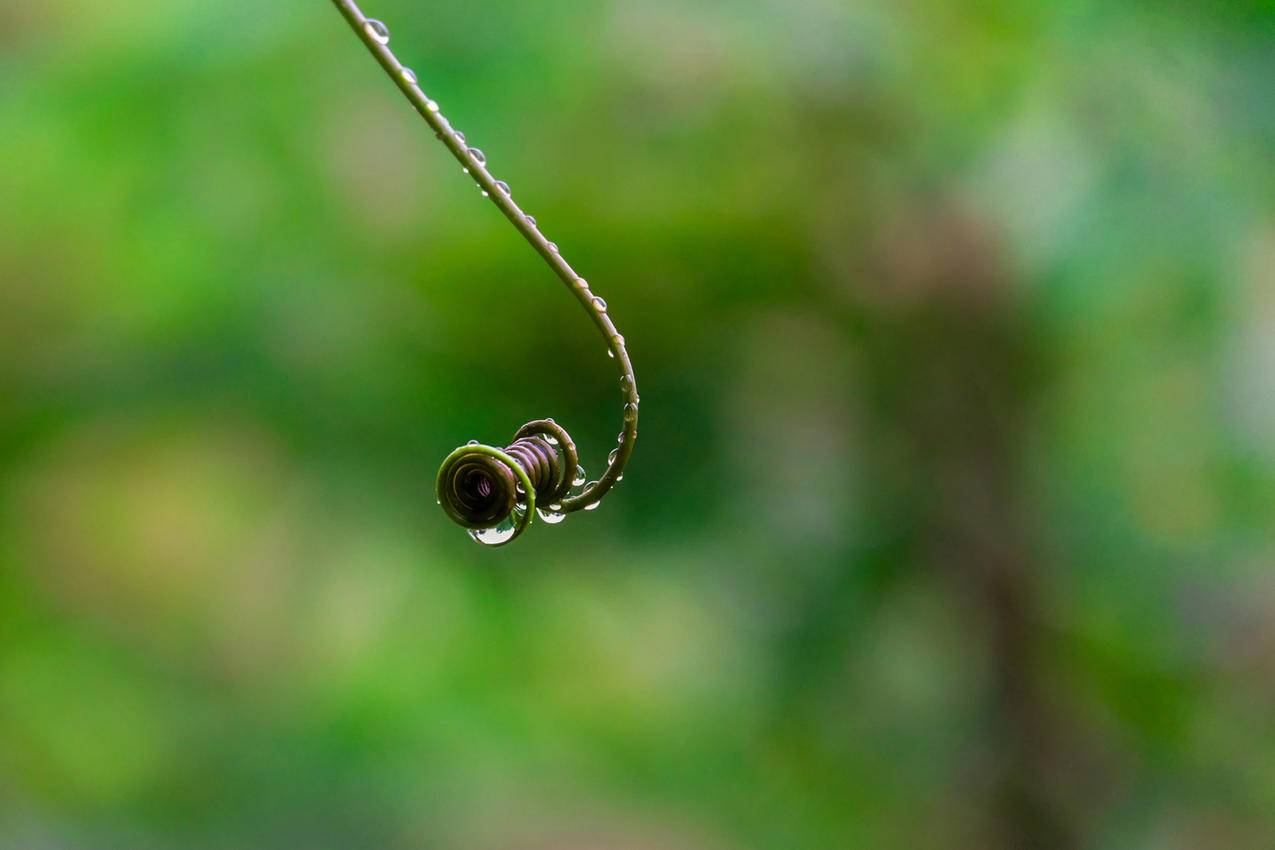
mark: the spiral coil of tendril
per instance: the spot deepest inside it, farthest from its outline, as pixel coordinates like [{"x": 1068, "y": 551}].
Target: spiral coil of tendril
[{"x": 493, "y": 492}]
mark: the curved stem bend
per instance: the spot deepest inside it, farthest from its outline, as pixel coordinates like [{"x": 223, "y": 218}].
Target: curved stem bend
[{"x": 375, "y": 36}]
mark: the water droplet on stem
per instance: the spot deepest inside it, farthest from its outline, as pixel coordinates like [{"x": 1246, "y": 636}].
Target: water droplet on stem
[
  {"x": 551, "y": 516},
  {"x": 378, "y": 31}
]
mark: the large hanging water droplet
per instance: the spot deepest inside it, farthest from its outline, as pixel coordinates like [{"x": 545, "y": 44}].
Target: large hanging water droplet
[
  {"x": 630, "y": 412},
  {"x": 551, "y": 516},
  {"x": 478, "y": 155},
  {"x": 503, "y": 186},
  {"x": 501, "y": 534},
  {"x": 409, "y": 76},
  {"x": 378, "y": 31},
  {"x": 581, "y": 477},
  {"x": 600, "y": 303},
  {"x": 504, "y": 531}
]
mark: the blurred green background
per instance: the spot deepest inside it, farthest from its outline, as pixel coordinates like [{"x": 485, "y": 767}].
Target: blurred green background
[{"x": 950, "y": 521}]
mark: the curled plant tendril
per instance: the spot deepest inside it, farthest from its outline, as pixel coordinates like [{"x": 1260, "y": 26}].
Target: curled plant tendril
[{"x": 494, "y": 492}]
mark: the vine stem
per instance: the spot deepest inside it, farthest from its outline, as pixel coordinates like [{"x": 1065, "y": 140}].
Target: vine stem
[{"x": 375, "y": 37}]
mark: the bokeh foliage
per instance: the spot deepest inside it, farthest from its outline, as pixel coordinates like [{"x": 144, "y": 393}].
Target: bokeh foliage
[{"x": 950, "y": 521}]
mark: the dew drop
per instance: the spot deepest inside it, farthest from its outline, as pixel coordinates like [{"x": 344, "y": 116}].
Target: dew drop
[
  {"x": 497, "y": 536},
  {"x": 460, "y": 137},
  {"x": 472, "y": 443},
  {"x": 486, "y": 194},
  {"x": 610, "y": 354},
  {"x": 553, "y": 246},
  {"x": 598, "y": 503},
  {"x": 611, "y": 457},
  {"x": 600, "y": 303},
  {"x": 630, "y": 412},
  {"x": 582, "y": 283},
  {"x": 551, "y": 516},
  {"x": 432, "y": 106},
  {"x": 409, "y": 76},
  {"x": 620, "y": 438},
  {"x": 379, "y": 32},
  {"x": 531, "y": 219},
  {"x": 466, "y": 170},
  {"x": 550, "y": 439},
  {"x": 580, "y": 478},
  {"x": 478, "y": 155},
  {"x": 503, "y": 186}
]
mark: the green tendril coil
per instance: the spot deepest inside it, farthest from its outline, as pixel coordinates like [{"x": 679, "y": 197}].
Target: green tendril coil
[{"x": 491, "y": 492}]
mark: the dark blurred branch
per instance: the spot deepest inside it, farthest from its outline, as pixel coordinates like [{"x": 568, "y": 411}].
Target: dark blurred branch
[{"x": 946, "y": 333}]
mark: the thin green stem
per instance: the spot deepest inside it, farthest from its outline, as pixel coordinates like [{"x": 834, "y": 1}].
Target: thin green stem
[{"x": 376, "y": 38}]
